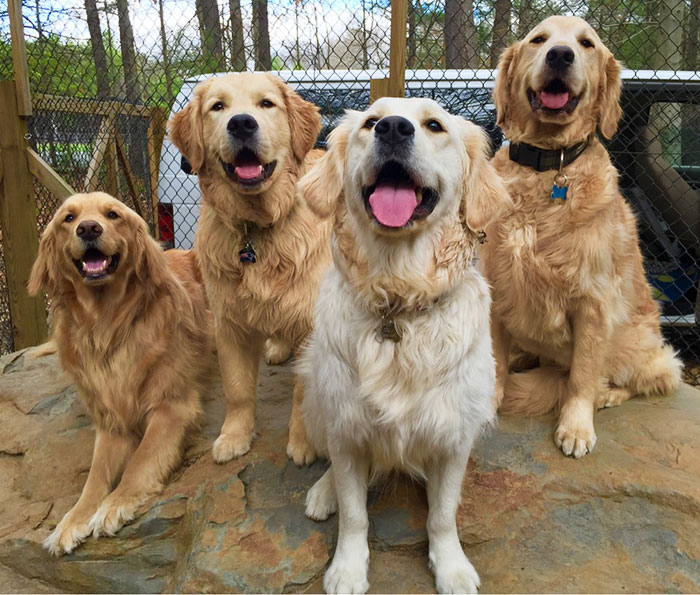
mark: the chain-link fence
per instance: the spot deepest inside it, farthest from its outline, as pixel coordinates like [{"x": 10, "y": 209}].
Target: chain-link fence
[{"x": 106, "y": 74}]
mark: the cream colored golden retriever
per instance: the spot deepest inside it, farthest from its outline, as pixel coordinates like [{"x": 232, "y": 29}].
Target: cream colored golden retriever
[
  {"x": 565, "y": 265},
  {"x": 133, "y": 331},
  {"x": 399, "y": 371},
  {"x": 262, "y": 251}
]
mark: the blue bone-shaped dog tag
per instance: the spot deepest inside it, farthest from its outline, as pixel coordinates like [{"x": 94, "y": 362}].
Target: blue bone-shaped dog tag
[{"x": 559, "y": 192}]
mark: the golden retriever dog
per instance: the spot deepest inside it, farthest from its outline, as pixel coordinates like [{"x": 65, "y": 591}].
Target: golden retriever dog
[
  {"x": 565, "y": 265},
  {"x": 262, "y": 250},
  {"x": 399, "y": 371},
  {"x": 133, "y": 330}
]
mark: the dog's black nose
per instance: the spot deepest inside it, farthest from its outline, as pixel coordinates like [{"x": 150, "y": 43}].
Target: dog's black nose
[
  {"x": 560, "y": 57},
  {"x": 89, "y": 230},
  {"x": 242, "y": 126},
  {"x": 394, "y": 129}
]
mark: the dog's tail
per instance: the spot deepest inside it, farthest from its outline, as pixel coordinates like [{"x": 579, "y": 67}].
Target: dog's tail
[{"x": 535, "y": 392}]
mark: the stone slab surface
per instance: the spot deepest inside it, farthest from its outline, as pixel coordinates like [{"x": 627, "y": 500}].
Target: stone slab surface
[{"x": 624, "y": 519}]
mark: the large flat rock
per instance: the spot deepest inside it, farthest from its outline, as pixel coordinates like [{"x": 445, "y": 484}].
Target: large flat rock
[{"x": 624, "y": 519}]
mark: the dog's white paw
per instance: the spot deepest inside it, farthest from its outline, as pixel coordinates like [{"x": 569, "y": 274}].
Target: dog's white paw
[
  {"x": 276, "y": 352},
  {"x": 67, "y": 535},
  {"x": 454, "y": 574},
  {"x": 575, "y": 436},
  {"x": 112, "y": 515},
  {"x": 321, "y": 501},
  {"x": 227, "y": 447},
  {"x": 347, "y": 574}
]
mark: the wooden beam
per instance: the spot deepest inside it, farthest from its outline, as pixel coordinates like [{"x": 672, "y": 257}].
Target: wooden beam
[
  {"x": 397, "y": 48},
  {"x": 43, "y": 172},
  {"x": 73, "y": 105},
  {"x": 19, "y": 59},
  {"x": 104, "y": 136},
  {"x": 139, "y": 205},
  {"x": 18, "y": 221},
  {"x": 378, "y": 88},
  {"x": 112, "y": 169},
  {"x": 155, "y": 134}
]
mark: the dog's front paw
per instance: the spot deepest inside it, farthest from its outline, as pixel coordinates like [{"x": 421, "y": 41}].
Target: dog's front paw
[
  {"x": 113, "y": 514},
  {"x": 455, "y": 574},
  {"x": 321, "y": 501},
  {"x": 68, "y": 534},
  {"x": 347, "y": 574},
  {"x": 300, "y": 451},
  {"x": 227, "y": 447},
  {"x": 575, "y": 434}
]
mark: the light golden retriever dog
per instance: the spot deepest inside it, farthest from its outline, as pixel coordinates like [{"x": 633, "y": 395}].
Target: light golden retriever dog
[
  {"x": 262, "y": 251},
  {"x": 567, "y": 276},
  {"x": 133, "y": 331},
  {"x": 399, "y": 371}
]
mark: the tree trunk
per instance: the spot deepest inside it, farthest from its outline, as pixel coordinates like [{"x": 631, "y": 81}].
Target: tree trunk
[
  {"x": 460, "y": 35},
  {"x": 237, "y": 38},
  {"x": 669, "y": 36},
  {"x": 692, "y": 39},
  {"x": 99, "y": 56},
  {"x": 126, "y": 42},
  {"x": 136, "y": 142},
  {"x": 526, "y": 18},
  {"x": 166, "y": 57},
  {"x": 210, "y": 35},
  {"x": 365, "y": 57},
  {"x": 261, "y": 36},
  {"x": 501, "y": 30},
  {"x": 411, "y": 57},
  {"x": 39, "y": 26}
]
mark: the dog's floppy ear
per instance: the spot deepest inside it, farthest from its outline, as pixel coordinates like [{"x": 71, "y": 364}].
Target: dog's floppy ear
[
  {"x": 609, "y": 97},
  {"x": 304, "y": 120},
  {"x": 44, "y": 271},
  {"x": 186, "y": 132},
  {"x": 484, "y": 195},
  {"x": 322, "y": 186},
  {"x": 504, "y": 79},
  {"x": 149, "y": 261}
]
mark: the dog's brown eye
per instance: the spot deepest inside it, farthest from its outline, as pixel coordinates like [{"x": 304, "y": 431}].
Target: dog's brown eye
[
  {"x": 112, "y": 215},
  {"x": 69, "y": 218},
  {"x": 539, "y": 39},
  {"x": 218, "y": 106},
  {"x": 587, "y": 43},
  {"x": 266, "y": 103},
  {"x": 434, "y": 126},
  {"x": 369, "y": 123}
]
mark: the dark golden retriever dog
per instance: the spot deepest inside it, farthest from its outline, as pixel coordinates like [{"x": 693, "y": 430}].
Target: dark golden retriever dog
[
  {"x": 262, "y": 250},
  {"x": 564, "y": 264},
  {"x": 133, "y": 331}
]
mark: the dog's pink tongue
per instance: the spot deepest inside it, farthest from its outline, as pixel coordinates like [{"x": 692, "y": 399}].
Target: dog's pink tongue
[
  {"x": 393, "y": 204},
  {"x": 249, "y": 171},
  {"x": 554, "y": 100}
]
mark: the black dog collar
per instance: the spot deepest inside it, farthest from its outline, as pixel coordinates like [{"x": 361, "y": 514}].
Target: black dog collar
[{"x": 545, "y": 159}]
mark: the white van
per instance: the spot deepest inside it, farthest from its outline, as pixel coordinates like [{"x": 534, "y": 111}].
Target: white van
[{"x": 463, "y": 92}]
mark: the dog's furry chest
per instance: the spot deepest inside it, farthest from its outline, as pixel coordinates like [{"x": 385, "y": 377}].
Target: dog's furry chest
[
  {"x": 274, "y": 295},
  {"x": 409, "y": 400},
  {"x": 544, "y": 258},
  {"x": 107, "y": 380}
]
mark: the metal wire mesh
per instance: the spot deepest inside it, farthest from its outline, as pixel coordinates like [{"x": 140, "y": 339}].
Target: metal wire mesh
[{"x": 99, "y": 68}]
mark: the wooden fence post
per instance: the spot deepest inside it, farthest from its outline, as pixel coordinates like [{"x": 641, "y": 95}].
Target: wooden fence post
[
  {"x": 394, "y": 85},
  {"x": 20, "y": 237},
  {"x": 19, "y": 58},
  {"x": 397, "y": 48}
]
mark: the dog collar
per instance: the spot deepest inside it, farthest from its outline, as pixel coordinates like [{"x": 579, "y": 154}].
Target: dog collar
[{"x": 545, "y": 159}]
